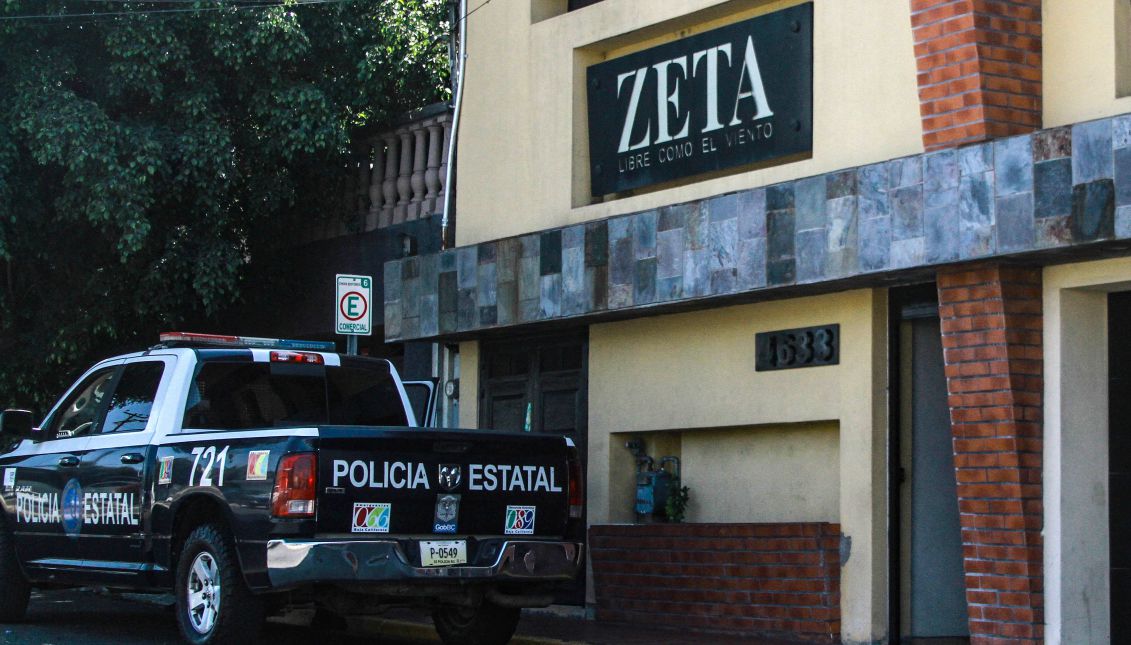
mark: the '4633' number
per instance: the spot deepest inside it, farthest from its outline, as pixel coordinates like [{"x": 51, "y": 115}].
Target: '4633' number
[{"x": 206, "y": 459}]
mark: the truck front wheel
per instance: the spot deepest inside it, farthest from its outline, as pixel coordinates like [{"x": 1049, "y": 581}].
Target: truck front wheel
[
  {"x": 487, "y": 624},
  {"x": 214, "y": 606}
]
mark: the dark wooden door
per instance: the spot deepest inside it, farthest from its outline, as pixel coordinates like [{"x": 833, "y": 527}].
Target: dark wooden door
[
  {"x": 536, "y": 385},
  {"x": 539, "y": 385}
]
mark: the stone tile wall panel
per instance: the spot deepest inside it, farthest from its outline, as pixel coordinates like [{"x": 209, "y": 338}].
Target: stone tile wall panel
[{"x": 1018, "y": 196}]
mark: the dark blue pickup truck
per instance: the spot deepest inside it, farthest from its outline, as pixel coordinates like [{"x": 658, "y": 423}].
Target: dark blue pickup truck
[{"x": 250, "y": 476}]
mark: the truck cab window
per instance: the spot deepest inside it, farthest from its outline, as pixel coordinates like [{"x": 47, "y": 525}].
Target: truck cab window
[
  {"x": 236, "y": 396},
  {"x": 78, "y": 414},
  {"x": 133, "y": 397},
  {"x": 364, "y": 397}
]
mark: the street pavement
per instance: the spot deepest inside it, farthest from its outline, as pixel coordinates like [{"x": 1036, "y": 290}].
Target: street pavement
[
  {"x": 90, "y": 618},
  {"x": 102, "y": 618}
]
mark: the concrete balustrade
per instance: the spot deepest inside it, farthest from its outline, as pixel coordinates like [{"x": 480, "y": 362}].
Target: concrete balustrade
[
  {"x": 397, "y": 176},
  {"x": 419, "y": 146}
]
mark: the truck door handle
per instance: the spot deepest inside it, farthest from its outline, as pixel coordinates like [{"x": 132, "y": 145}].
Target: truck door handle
[
  {"x": 68, "y": 461},
  {"x": 132, "y": 458}
]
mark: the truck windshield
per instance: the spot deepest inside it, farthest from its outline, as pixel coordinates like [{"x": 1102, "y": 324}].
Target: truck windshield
[{"x": 240, "y": 395}]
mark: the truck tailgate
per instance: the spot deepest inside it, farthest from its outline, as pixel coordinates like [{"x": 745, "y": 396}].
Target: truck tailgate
[{"x": 423, "y": 483}]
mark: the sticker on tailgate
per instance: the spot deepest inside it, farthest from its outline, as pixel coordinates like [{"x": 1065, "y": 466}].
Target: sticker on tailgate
[
  {"x": 520, "y": 520},
  {"x": 447, "y": 510},
  {"x": 371, "y": 517}
]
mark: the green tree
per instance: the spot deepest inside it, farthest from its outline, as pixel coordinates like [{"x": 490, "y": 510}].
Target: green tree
[{"x": 151, "y": 151}]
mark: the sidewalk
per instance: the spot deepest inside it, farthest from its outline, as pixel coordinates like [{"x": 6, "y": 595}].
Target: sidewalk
[{"x": 555, "y": 627}]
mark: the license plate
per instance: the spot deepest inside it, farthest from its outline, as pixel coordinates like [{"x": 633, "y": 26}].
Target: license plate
[{"x": 443, "y": 553}]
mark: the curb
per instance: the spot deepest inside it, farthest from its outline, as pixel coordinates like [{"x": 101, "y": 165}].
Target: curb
[{"x": 425, "y": 632}]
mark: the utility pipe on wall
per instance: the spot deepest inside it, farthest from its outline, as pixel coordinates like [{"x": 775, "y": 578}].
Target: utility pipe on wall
[{"x": 445, "y": 221}]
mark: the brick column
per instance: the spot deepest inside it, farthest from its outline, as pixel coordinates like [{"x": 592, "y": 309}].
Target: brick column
[
  {"x": 991, "y": 326},
  {"x": 979, "y": 67}
]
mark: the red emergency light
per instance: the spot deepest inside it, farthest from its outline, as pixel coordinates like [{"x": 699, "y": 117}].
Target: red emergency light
[{"x": 221, "y": 340}]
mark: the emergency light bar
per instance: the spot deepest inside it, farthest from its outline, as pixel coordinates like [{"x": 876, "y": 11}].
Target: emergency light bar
[{"x": 247, "y": 341}]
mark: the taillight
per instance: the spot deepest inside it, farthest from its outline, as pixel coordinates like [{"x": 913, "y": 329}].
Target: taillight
[
  {"x": 576, "y": 487},
  {"x": 296, "y": 357},
  {"x": 295, "y": 483}
]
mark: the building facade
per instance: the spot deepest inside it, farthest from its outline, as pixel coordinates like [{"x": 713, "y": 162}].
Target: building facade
[{"x": 860, "y": 266}]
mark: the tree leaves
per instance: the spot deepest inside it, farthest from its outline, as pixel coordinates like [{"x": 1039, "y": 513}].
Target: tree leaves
[{"x": 146, "y": 159}]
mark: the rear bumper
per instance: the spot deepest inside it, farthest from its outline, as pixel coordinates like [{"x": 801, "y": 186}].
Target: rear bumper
[{"x": 292, "y": 563}]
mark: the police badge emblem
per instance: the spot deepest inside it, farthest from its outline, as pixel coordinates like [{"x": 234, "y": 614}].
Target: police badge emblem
[{"x": 447, "y": 512}]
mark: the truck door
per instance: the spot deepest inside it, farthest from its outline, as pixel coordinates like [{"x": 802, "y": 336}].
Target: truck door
[
  {"x": 113, "y": 472},
  {"x": 422, "y": 398},
  {"x": 41, "y": 479}
]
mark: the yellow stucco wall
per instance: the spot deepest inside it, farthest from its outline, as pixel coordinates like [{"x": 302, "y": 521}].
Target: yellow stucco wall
[
  {"x": 692, "y": 371},
  {"x": 1076, "y": 495},
  {"x": 469, "y": 385},
  {"x": 788, "y": 474},
  {"x": 693, "y": 374},
  {"x": 770, "y": 473},
  {"x": 522, "y": 144},
  {"x": 1080, "y": 61},
  {"x": 793, "y": 445}
]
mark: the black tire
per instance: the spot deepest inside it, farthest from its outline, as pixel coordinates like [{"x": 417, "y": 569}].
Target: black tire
[
  {"x": 14, "y": 587},
  {"x": 231, "y": 614},
  {"x": 486, "y": 624}
]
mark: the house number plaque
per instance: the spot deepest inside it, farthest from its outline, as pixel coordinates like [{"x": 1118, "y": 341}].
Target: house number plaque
[{"x": 803, "y": 347}]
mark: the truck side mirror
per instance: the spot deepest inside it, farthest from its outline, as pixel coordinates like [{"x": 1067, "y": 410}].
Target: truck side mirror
[{"x": 16, "y": 424}]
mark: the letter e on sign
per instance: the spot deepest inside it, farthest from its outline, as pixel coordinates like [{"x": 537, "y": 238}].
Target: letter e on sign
[{"x": 353, "y": 310}]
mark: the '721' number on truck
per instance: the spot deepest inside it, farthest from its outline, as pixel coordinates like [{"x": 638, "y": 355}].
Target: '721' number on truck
[{"x": 211, "y": 459}]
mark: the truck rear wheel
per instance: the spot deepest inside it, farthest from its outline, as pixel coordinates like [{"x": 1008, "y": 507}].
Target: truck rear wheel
[
  {"x": 14, "y": 587},
  {"x": 214, "y": 605},
  {"x": 486, "y": 624}
]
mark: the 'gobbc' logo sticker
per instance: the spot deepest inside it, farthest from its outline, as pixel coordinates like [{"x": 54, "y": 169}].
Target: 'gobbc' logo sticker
[
  {"x": 369, "y": 517},
  {"x": 520, "y": 520}
]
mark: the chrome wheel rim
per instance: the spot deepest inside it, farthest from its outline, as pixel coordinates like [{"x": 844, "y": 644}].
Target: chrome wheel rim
[{"x": 203, "y": 593}]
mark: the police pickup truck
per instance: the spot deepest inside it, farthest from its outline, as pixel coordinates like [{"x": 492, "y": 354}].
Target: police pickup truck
[{"x": 250, "y": 476}]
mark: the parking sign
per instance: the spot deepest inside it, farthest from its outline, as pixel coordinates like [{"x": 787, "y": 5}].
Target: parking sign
[{"x": 352, "y": 308}]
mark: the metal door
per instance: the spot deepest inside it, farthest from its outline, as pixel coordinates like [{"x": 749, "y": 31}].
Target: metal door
[
  {"x": 933, "y": 579},
  {"x": 422, "y": 396}
]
